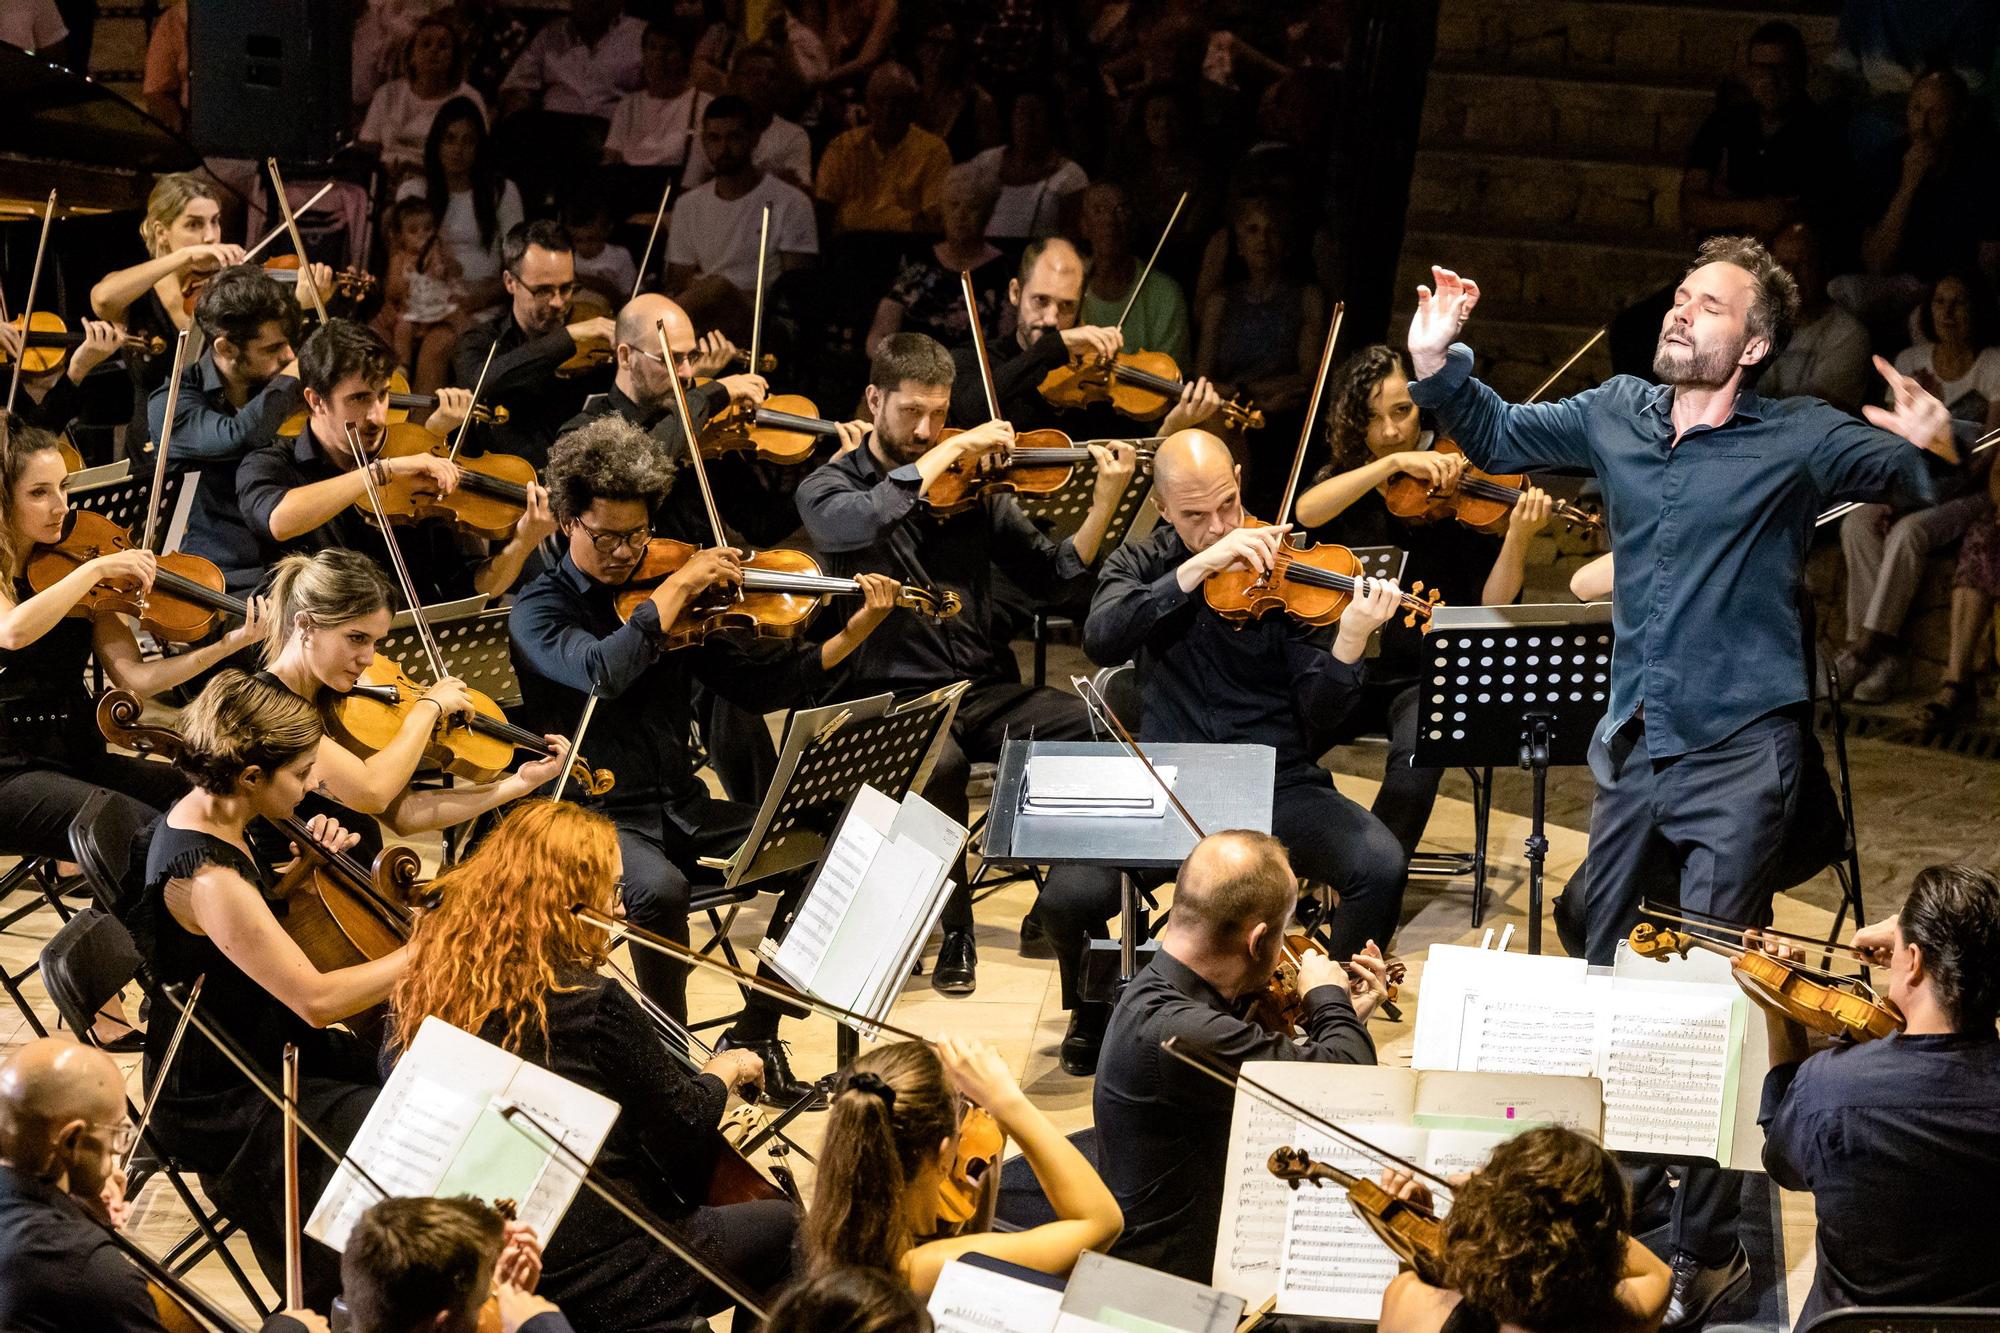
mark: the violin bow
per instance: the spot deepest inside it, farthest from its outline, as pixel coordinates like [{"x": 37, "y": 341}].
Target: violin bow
[
  {"x": 1284, "y": 514},
  {"x": 757, "y": 307},
  {"x": 1277, "y": 1101},
  {"x": 1563, "y": 369},
  {"x": 279, "y": 230},
  {"x": 1101, "y": 710},
  {"x": 395, "y": 548},
  {"x": 1688, "y": 916},
  {"x": 693, "y": 437},
  {"x": 295, "y": 1260},
  {"x": 472, "y": 407},
  {"x": 298, "y": 242},
  {"x": 28, "y": 310},
  {"x": 576, "y": 743},
  {"x": 1133, "y": 298},
  {"x": 652, "y": 239},
  {"x": 1978, "y": 446},
  {"x": 167, "y": 1060},
  {"x": 166, "y": 439},
  {"x": 979, "y": 343}
]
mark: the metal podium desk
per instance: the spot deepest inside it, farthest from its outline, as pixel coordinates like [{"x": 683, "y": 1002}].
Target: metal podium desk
[{"x": 1222, "y": 786}]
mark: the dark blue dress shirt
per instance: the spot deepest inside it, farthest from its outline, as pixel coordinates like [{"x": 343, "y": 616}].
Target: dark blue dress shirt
[
  {"x": 1711, "y": 534},
  {"x": 58, "y": 1270}
]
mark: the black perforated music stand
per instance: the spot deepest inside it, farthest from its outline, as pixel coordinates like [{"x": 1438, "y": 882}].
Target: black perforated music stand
[
  {"x": 114, "y": 492},
  {"x": 1062, "y": 513},
  {"x": 472, "y": 640},
  {"x": 1520, "y": 685}
]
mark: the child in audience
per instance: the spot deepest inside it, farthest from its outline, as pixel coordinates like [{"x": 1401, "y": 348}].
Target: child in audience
[{"x": 423, "y": 311}]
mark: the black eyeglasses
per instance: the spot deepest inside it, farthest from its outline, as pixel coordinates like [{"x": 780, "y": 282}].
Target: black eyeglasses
[
  {"x": 548, "y": 291},
  {"x": 636, "y": 539}
]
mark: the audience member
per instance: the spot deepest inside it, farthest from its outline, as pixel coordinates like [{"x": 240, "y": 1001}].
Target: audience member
[
  {"x": 1975, "y": 590},
  {"x": 36, "y": 25},
  {"x": 1261, "y": 332},
  {"x": 477, "y": 207},
  {"x": 1159, "y": 162},
  {"x": 1158, "y": 321},
  {"x": 382, "y": 30},
  {"x": 605, "y": 273},
  {"x": 657, "y": 126},
  {"x": 926, "y": 296},
  {"x": 1040, "y": 189},
  {"x": 1886, "y": 552},
  {"x": 578, "y": 66},
  {"x": 1756, "y": 158},
  {"x": 165, "y": 82},
  {"x": 423, "y": 312},
  {"x": 1828, "y": 354},
  {"x": 759, "y": 81},
  {"x": 398, "y": 123},
  {"x": 885, "y": 175},
  {"x": 1884, "y": 46},
  {"x": 492, "y": 34},
  {"x": 950, "y": 103},
  {"x": 855, "y": 37},
  {"x": 712, "y": 249}
]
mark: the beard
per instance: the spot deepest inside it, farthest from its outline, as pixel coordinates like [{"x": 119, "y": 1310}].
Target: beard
[{"x": 1694, "y": 365}]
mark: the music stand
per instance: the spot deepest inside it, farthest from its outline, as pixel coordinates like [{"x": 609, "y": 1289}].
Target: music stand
[
  {"x": 1382, "y": 562},
  {"x": 114, "y": 492},
  {"x": 472, "y": 640},
  {"x": 1519, "y": 685},
  {"x": 1062, "y": 513}
]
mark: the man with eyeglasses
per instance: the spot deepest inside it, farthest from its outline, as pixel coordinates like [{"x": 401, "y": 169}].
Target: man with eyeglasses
[
  {"x": 607, "y": 482},
  {"x": 529, "y": 341},
  {"x": 63, "y": 1137}
]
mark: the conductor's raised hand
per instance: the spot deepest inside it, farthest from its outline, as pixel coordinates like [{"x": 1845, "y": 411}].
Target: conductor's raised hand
[
  {"x": 1441, "y": 312},
  {"x": 1914, "y": 413}
]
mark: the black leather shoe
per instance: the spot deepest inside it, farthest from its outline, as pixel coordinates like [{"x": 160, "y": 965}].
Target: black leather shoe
[
  {"x": 1035, "y": 940},
  {"x": 1083, "y": 1040},
  {"x": 957, "y": 969},
  {"x": 1698, "y": 1288},
  {"x": 782, "y": 1088}
]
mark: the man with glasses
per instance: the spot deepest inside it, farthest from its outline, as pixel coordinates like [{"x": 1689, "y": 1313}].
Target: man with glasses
[
  {"x": 529, "y": 341},
  {"x": 607, "y": 482}
]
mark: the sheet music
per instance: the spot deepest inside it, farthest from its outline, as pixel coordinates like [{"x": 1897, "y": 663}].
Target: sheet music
[
  {"x": 1669, "y": 1062},
  {"x": 1332, "y": 1265},
  {"x": 1454, "y": 1152},
  {"x": 1451, "y": 971},
  {"x": 1511, "y": 1032},
  {"x": 970, "y": 1298}
]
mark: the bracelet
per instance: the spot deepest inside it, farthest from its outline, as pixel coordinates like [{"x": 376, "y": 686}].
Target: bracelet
[{"x": 426, "y": 699}]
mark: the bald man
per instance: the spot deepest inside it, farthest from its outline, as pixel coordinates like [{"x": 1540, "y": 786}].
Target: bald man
[
  {"x": 1170, "y": 1123},
  {"x": 1046, "y": 296},
  {"x": 62, "y": 1129},
  {"x": 1271, "y": 682}
]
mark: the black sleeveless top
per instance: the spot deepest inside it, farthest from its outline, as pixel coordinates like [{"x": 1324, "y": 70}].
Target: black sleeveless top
[
  {"x": 1465, "y": 1317},
  {"x": 45, "y": 711},
  {"x": 272, "y": 845}
]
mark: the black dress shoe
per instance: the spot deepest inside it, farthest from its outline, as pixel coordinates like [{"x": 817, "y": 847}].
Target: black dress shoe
[
  {"x": 1698, "y": 1288},
  {"x": 957, "y": 969},
  {"x": 782, "y": 1088},
  {"x": 1034, "y": 940},
  {"x": 1083, "y": 1040}
]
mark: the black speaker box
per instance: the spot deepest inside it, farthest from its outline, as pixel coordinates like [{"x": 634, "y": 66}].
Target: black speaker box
[{"x": 270, "y": 78}]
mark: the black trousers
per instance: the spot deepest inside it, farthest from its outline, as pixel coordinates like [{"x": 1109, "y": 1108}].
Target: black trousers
[
  {"x": 42, "y": 803},
  {"x": 739, "y": 746},
  {"x": 1403, "y": 803},
  {"x": 1329, "y": 837},
  {"x": 989, "y": 713},
  {"x": 1703, "y": 829}
]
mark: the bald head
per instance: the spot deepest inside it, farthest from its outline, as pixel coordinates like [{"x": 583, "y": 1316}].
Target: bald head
[
  {"x": 637, "y": 320},
  {"x": 1195, "y": 486},
  {"x": 1231, "y": 882},
  {"x": 1049, "y": 291},
  {"x": 50, "y": 1091}
]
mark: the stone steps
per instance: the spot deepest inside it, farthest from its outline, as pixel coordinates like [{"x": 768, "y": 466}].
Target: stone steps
[
  {"x": 1563, "y": 114},
  {"x": 1521, "y": 275},
  {"x": 1632, "y": 37},
  {"x": 1488, "y": 191}
]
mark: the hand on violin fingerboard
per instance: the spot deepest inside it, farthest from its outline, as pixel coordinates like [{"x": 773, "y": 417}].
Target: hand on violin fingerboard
[
  {"x": 1367, "y": 981},
  {"x": 1198, "y": 402},
  {"x": 520, "y": 1262}
]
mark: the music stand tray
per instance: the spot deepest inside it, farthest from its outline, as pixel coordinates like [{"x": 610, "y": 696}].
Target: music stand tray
[{"x": 1518, "y": 686}]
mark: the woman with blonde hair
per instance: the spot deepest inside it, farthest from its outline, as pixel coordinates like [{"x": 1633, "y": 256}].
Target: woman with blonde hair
[
  {"x": 504, "y": 956},
  {"x": 891, "y": 1142}
]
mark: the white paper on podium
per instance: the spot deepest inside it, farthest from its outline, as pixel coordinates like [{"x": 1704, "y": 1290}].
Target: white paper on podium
[
  {"x": 974, "y": 1298},
  {"x": 1102, "y": 786},
  {"x": 437, "y": 1129}
]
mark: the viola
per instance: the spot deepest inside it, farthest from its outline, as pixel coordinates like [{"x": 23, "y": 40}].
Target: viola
[
  {"x": 1312, "y": 584},
  {"x": 1142, "y": 385},
  {"x": 1483, "y": 501},
  {"x": 491, "y": 495},
  {"x": 780, "y": 592},
  {"x": 1410, "y": 1230},
  {"x": 49, "y": 341},
  {"x": 187, "y": 595},
  {"x": 1038, "y": 464},
  {"x": 370, "y": 716},
  {"x": 401, "y": 403},
  {"x": 1820, "y": 1001},
  {"x": 785, "y": 428}
]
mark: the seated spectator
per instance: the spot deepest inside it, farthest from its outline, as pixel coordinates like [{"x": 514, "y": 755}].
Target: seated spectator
[
  {"x": 1261, "y": 331},
  {"x": 782, "y": 147},
  {"x": 1756, "y": 158},
  {"x": 795, "y": 47},
  {"x": 1158, "y": 321},
  {"x": 423, "y": 311},
  {"x": 1886, "y": 552},
  {"x": 492, "y": 34},
  {"x": 605, "y": 273},
  {"x": 1883, "y": 46},
  {"x": 1160, "y": 160},
  {"x": 165, "y": 84},
  {"x": 398, "y": 123},
  {"x": 477, "y": 207},
  {"x": 712, "y": 247},
  {"x": 36, "y": 25},
  {"x": 1828, "y": 354},
  {"x": 926, "y": 297},
  {"x": 885, "y": 175},
  {"x": 382, "y": 32},
  {"x": 578, "y": 66},
  {"x": 950, "y": 104},
  {"x": 1041, "y": 190},
  {"x": 1975, "y": 590},
  {"x": 657, "y": 126},
  {"x": 1932, "y": 201}
]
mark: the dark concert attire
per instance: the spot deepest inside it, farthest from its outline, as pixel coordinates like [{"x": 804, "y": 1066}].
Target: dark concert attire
[
  {"x": 523, "y": 379},
  {"x": 62, "y": 1271}
]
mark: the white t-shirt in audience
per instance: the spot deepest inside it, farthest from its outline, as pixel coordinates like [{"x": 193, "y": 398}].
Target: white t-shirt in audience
[
  {"x": 782, "y": 149},
  {"x": 718, "y": 236},
  {"x": 399, "y": 121},
  {"x": 649, "y": 131}
]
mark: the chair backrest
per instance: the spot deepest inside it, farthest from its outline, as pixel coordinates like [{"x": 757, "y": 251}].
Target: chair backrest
[
  {"x": 88, "y": 961},
  {"x": 1905, "y": 1319},
  {"x": 1119, "y": 688},
  {"x": 110, "y": 839}
]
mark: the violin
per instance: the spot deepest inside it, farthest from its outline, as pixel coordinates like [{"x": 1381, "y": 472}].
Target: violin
[
  {"x": 1412, "y": 1231},
  {"x": 779, "y": 594},
  {"x": 1483, "y": 501},
  {"x": 48, "y": 342},
  {"x": 348, "y": 284},
  {"x": 491, "y": 495},
  {"x": 1281, "y": 1006},
  {"x": 962, "y": 1193},
  {"x": 591, "y": 354},
  {"x": 401, "y": 403},
  {"x": 1142, "y": 385},
  {"x": 1818, "y": 1000},
  {"x": 370, "y": 716},
  {"x": 187, "y": 594},
  {"x": 785, "y": 428}
]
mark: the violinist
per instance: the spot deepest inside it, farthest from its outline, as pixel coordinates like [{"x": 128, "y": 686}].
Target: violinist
[
  {"x": 308, "y": 495},
  {"x": 864, "y": 511},
  {"x": 892, "y": 1138},
  {"x": 530, "y": 339},
  {"x": 206, "y": 911},
  {"x": 1046, "y": 296},
  {"x": 55, "y": 399},
  {"x": 1232, "y": 907},
  {"x": 607, "y": 481},
  {"x": 51, "y": 756},
  {"x": 1537, "y": 1241},
  {"x": 1376, "y": 433},
  {"x": 1896, "y": 1138},
  {"x": 233, "y": 397},
  {"x": 502, "y": 956}
]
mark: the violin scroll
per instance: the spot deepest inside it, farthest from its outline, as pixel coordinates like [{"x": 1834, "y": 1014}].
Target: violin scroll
[{"x": 931, "y": 605}]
